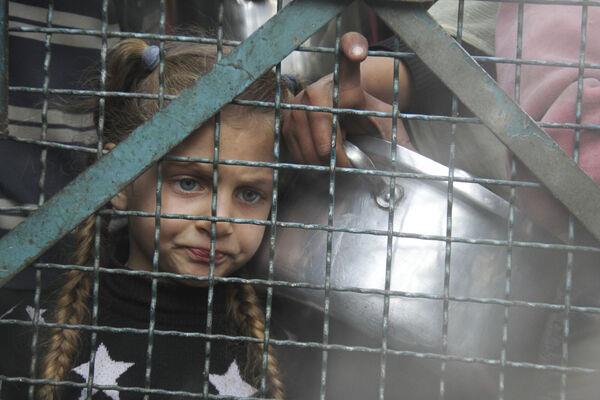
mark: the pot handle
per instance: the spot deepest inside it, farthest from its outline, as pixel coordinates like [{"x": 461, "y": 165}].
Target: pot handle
[{"x": 379, "y": 185}]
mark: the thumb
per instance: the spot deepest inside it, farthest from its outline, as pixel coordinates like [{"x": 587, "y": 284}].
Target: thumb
[{"x": 353, "y": 48}]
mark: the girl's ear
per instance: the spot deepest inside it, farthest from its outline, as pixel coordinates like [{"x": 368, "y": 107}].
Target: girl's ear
[{"x": 119, "y": 202}]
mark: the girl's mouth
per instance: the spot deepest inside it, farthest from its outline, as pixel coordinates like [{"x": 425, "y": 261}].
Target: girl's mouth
[{"x": 201, "y": 255}]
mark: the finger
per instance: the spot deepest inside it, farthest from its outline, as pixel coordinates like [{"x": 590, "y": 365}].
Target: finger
[
  {"x": 290, "y": 138},
  {"x": 321, "y": 126},
  {"x": 290, "y": 141},
  {"x": 303, "y": 134},
  {"x": 341, "y": 157},
  {"x": 298, "y": 134},
  {"x": 319, "y": 123},
  {"x": 384, "y": 126},
  {"x": 354, "y": 48}
]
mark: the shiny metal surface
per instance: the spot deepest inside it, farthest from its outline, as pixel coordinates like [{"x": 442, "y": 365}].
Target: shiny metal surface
[
  {"x": 379, "y": 186},
  {"x": 476, "y": 270},
  {"x": 243, "y": 17}
]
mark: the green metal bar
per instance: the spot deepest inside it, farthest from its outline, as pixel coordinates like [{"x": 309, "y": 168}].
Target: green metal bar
[
  {"x": 4, "y": 67},
  {"x": 479, "y": 92},
  {"x": 266, "y": 47}
]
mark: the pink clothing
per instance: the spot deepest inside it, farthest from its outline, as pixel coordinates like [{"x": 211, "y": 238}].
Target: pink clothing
[{"x": 548, "y": 94}]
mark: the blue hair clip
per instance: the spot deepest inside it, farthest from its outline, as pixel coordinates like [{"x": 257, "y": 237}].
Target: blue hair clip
[
  {"x": 292, "y": 83},
  {"x": 150, "y": 57}
]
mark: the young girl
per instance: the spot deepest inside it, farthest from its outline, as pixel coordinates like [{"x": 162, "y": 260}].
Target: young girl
[{"x": 175, "y": 359}]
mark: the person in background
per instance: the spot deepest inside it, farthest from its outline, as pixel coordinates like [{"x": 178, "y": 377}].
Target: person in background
[
  {"x": 420, "y": 92},
  {"x": 70, "y": 56},
  {"x": 556, "y": 94},
  {"x": 549, "y": 93}
]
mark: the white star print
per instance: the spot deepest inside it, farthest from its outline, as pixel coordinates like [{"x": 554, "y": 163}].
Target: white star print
[
  {"x": 31, "y": 312},
  {"x": 231, "y": 383},
  {"x": 106, "y": 372}
]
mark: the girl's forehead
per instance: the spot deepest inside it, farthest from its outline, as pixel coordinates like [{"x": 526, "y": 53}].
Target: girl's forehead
[{"x": 244, "y": 138}]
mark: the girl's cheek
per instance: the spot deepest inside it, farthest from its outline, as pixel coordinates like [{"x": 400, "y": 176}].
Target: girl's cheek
[
  {"x": 169, "y": 228},
  {"x": 256, "y": 238},
  {"x": 263, "y": 210},
  {"x": 173, "y": 204}
]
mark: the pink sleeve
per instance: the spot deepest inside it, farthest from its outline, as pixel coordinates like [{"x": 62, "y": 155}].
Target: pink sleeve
[{"x": 549, "y": 94}]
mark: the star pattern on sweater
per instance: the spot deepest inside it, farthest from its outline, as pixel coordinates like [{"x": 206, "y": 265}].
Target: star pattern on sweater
[
  {"x": 31, "y": 312},
  {"x": 231, "y": 383},
  {"x": 106, "y": 372}
]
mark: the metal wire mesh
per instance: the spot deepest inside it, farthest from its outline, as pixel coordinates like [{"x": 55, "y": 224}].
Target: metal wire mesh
[{"x": 325, "y": 346}]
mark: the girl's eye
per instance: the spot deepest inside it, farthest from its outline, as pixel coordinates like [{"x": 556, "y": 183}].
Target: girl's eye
[
  {"x": 250, "y": 196},
  {"x": 187, "y": 184}
]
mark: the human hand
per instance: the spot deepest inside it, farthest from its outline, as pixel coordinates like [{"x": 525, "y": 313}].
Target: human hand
[{"x": 308, "y": 134}]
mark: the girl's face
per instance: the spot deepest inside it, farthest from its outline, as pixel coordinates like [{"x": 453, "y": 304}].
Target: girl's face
[{"x": 243, "y": 192}]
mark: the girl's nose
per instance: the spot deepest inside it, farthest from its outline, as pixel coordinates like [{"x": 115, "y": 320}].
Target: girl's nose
[
  {"x": 223, "y": 228},
  {"x": 224, "y": 210}
]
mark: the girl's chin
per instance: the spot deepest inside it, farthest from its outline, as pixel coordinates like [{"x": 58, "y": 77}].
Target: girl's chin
[
  {"x": 188, "y": 278},
  {"x": 190, "y": 269},
  {"x": 198, "y": 270}
]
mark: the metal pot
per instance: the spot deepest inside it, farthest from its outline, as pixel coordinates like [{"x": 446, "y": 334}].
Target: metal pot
[{"x": 476, "y": 273}]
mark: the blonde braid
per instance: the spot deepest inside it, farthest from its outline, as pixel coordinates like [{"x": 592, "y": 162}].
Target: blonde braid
[
  {"x": 243, "y": 307},
  {"x": 71, "y": 308}
]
